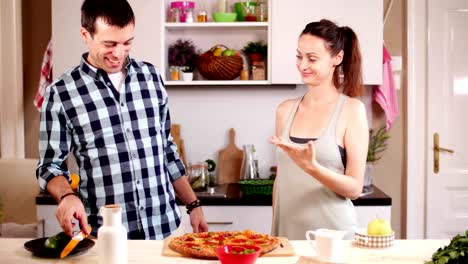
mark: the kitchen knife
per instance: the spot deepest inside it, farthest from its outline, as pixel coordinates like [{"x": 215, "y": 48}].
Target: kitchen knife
[{"x": 73, "y": 242}]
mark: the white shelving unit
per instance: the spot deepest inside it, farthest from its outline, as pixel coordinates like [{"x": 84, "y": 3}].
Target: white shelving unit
[
  {"x": 217, "y": 25},
  {"x": 221, "y": 82},
  {"x": 205, "y": 35}
]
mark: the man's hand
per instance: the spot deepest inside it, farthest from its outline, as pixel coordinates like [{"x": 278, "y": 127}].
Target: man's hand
[
  {"x": 71, "y": 207},
  {"x": 197, "y": 220}
]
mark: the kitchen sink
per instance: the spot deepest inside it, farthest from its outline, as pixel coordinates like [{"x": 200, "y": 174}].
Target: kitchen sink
[{"x": 216, "y": 191}]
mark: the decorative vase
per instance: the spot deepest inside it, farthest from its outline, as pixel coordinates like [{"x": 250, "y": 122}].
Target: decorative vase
[
  {"x": 112, "y": 236},
  {"x": 187, "y": 76},
  {"x": 368, "y": 178}
]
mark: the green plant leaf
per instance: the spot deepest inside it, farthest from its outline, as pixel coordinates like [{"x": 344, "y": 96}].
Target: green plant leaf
[{"x": 377, "y": 143}]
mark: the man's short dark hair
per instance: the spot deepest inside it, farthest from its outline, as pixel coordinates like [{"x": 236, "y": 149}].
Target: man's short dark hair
[{"x": 117, "y": 13}]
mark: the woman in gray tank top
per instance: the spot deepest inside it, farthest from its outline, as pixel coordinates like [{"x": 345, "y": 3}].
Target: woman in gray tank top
[{"x": 322, "y": 137}]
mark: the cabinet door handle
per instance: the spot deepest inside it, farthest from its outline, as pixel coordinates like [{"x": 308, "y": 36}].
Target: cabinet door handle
[{"x": 220, "y": 223}]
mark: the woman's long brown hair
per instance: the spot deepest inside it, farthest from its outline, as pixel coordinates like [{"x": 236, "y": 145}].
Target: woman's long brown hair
[{"x": 337, "y": 39}]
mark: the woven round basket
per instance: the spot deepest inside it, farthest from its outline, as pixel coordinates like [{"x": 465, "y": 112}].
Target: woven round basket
[{"x": 213, "y": 67}]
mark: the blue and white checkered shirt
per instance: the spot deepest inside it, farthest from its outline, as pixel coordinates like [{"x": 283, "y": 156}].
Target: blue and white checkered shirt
[{"x": 121, "y": 142}]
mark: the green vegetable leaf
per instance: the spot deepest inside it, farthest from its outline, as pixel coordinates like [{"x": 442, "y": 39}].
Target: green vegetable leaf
[{"x": 455, "y": 252}]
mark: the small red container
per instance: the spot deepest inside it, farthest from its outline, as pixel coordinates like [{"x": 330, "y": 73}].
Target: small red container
[{"x": 226, "y": 255}]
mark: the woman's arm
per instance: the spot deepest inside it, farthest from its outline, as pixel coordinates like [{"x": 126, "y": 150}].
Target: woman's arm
[{"x": 281, "y": 117}]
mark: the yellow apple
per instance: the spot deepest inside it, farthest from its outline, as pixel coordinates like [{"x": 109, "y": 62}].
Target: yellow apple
[{"x": 379, "y": 227}]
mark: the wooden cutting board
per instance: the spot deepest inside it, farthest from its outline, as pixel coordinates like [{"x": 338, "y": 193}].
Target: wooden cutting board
[
  {"x": 175, "y": 133},
  {"x": 230, "y": 161},
  {"x": 285, "y": 251}
]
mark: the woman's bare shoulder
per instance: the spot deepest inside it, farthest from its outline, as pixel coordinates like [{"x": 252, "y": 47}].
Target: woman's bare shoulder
[
  {"x": 286, "y": 105},
  {"x": 354, "y": 106}
]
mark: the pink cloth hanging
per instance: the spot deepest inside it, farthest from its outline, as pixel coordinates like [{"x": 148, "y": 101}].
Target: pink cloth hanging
[
  {"x": 45, "y": 78},
  {"x": 385, "y": 95}
]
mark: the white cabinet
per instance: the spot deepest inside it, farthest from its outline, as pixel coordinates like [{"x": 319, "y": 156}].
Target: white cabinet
[
  {"x": 259, "y": 218},
  {"x": 46, "y": 213},
  {"x": 222, "y": 218},
  {"x": 365, "y": 214},
  {"x": 289, "y": 18}
]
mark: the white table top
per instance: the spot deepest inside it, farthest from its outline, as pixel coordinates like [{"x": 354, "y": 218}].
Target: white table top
[{"x": 403, "y": 251}]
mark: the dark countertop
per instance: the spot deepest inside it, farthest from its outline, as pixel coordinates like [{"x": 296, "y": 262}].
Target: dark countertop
[{"x": 234, "y": 197}]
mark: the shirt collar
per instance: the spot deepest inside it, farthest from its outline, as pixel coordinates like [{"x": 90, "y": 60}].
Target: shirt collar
[{"x": 96, "y": 73}]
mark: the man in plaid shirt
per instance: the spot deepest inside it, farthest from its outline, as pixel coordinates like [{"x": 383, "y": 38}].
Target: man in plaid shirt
[{"x": 112, "y": 111}]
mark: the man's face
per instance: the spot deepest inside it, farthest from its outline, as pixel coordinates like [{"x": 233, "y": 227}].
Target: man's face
[{"x": 109, "y": 46}]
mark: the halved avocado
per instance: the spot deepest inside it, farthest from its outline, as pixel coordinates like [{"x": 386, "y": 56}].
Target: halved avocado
[{"x": 57, "y": 242}]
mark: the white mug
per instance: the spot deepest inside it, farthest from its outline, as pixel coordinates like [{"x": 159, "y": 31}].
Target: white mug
[{"x": 328, "y": 246}]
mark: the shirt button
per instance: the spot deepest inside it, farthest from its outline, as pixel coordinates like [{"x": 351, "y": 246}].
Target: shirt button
[
  {"x": 142, "y": 208},
  {"x": 108, "y": 84},
  {"x": 134, "y": 155},
  {"x": 128, "y": 130},
  {"x": 122, "y": 104},
  {"x": 138, "y": 182}
]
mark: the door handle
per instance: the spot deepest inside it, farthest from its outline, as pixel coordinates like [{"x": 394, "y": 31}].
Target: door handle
[{"x": 437, "y": 150}]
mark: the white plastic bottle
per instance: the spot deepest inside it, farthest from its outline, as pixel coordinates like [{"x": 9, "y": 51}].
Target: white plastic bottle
[
  {"x": 222, "y": 6},
  {"x": 112, "y": 236}
]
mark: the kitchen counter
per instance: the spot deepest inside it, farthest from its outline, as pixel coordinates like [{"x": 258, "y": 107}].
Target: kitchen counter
[
  {"x": 234, "y": 197},
  {"x": 150, "y": 251}
]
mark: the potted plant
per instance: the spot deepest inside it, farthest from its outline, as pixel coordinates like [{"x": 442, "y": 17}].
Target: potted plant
[
  {"x": 255, "y": 50},
  {"x": 182, "y": 55},
  {"x": 187, "y": 73},
  {"x": 377, "y": 144}
]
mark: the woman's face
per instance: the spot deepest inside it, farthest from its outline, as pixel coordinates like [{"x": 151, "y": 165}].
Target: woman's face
[{"x": 314, "y": 61}]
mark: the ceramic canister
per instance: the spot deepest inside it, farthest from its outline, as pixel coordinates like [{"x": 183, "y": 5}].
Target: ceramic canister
[{"x": 112, "y": 236}]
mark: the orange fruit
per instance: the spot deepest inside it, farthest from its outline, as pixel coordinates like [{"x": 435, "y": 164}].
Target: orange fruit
[{"x": 75, "y": 180}]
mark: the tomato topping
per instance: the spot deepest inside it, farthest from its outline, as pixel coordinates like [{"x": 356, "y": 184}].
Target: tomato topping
[
  {"x": 239, "y": 240},
  {"x": 191, "y": 245}
]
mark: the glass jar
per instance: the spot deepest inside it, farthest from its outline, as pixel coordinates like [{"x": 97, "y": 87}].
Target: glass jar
[
  {"x": 249, "y": 169},
  {"x": 174, "y": 15},
  {"x": 261, "y": 11},
  {"x": 189, "y": 15},
  {"x": 244, "y": 75},
  {"x": 174, "y": 70},
  {"x": 198, "y": 176},
  {"x": 202, "y": 16},
  {"x": 250, "y": 15}
]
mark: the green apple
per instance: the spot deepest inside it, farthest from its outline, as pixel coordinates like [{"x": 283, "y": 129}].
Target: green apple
[
  {"x": 379, "y": 227},
  {"x": 228, "y": 52}
]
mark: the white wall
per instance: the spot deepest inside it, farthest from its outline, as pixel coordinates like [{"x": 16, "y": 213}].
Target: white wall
[{"x": 207, "y": 113}]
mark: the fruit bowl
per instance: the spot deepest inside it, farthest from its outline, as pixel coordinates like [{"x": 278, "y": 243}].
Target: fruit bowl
[
  {"x": 224, "y": 17},
  {"x": 362, "y": 239},
  {"x": 245, "y": 254}
]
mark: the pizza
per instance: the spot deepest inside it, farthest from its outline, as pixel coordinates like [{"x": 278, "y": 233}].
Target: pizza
[{"x": 203, "y": 245}]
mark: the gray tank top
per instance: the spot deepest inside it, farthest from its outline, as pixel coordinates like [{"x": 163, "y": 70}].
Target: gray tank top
[{"x": 301, "y": 202}]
